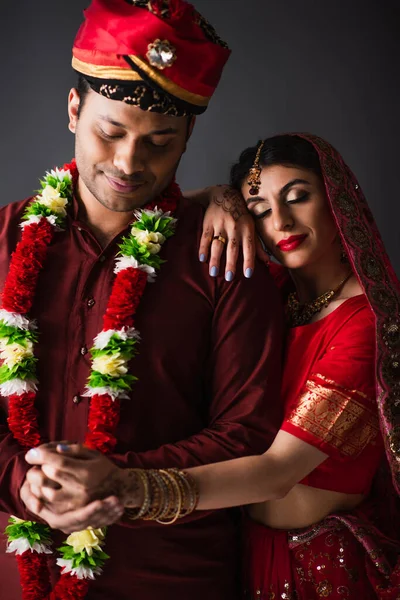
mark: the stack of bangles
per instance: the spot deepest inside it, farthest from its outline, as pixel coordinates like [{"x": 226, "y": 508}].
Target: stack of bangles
[{"x": 168, "y": 495}]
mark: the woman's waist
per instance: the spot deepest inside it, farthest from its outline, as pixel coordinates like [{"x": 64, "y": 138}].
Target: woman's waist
[{"x": 302, "y": 507}]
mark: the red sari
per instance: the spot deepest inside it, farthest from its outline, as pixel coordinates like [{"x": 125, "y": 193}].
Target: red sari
[{"x": 340, "y": 385}]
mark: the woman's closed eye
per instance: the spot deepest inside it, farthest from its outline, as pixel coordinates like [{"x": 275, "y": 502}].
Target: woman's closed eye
[
  {"x": 301, "y": 198},
  {"x": 263, "y": 209}
]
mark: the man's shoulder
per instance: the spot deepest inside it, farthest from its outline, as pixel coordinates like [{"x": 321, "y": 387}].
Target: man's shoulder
[
  {"x": 190, "y": 217},
  {"x": 191, "y": 210},
  {"x": 11, "y": 214}
]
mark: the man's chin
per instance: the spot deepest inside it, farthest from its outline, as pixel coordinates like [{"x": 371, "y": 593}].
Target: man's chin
[{"x": 125, "y": 202}]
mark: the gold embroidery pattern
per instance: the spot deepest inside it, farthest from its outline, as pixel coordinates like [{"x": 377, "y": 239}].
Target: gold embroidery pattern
[{"x": 335, "y": 416}]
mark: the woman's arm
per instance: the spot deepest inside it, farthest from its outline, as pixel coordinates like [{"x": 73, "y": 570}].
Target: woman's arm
[
  {"x": 246, "y": 480},
  {"x": 253, "y": 479}
]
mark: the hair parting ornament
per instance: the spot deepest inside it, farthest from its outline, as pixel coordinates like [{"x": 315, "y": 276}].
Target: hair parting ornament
[{"x": 254, "y": 180}]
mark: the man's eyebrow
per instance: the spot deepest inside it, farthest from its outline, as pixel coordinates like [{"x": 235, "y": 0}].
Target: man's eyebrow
[
  {"x": 111, "y": 121},
  {"x": 166, "y": 131}
]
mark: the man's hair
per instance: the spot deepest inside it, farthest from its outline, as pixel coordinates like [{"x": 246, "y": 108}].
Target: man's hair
[
  {"x": 83, "y": 88},
  {"x": 289, "y": 150}
]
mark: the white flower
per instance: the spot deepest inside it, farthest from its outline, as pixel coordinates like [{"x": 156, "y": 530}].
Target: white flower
[
  {"x": 18, "y": 387},
  {"x": 16, "y": 320},
  {"x": 101, "y": 391},
  {"x": 127, "y": 262},
  {"x": 150, "y": 213},
  {"x": 111, "y": 365},
  {"x": 51, "y": 198},
  {"x": 79, "y": 572},
  {"x": 60, "y": 174},
  {"x": 14, "y": 353},
  {"x": 21, "y": 545},
  {"x": 103, "y": 338}
]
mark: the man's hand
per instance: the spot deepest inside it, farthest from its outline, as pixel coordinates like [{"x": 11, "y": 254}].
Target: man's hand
[
  {"x": 97, "y": 514},
  {"x": 69, "y": 476}
]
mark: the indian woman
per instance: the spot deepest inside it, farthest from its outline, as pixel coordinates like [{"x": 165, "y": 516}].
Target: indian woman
[{"x": 315, "y": 505}]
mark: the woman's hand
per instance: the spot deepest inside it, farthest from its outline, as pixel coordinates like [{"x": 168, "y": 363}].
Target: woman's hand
[{"x": 227, "y": 216}]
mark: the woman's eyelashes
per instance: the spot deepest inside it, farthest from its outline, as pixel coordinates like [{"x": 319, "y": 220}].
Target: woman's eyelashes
[
  {"x": 302, "y": 198},
  {"x": 262, "y": 209}
]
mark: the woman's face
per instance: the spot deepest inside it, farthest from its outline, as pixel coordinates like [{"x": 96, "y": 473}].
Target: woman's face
[{"x": 293, "y": 215}]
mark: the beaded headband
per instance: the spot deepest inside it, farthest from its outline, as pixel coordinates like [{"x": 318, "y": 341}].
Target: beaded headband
[{"x": 254, "y": 180}]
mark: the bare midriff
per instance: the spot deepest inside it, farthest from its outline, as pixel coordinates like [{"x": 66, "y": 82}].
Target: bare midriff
[{"x": 302, "y": 506}]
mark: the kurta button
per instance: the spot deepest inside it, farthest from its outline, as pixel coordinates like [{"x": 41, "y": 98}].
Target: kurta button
[
  {"x": 84, "y": 350},
  {"x": 76, "y": 399},
  {"x": 91, "y": 302},
  {"x": 102, "y": 258}
]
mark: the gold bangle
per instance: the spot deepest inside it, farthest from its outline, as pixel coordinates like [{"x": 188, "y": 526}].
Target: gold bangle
[
  {"x": 138, "y": 513},
  {"x": 193, "y": 492},
  {"x": 156, "y": 499},
  {"x": 178, "y": 495}
]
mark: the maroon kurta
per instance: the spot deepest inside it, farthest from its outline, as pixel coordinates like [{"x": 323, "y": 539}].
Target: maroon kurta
[{"x": 208, "y": 390}]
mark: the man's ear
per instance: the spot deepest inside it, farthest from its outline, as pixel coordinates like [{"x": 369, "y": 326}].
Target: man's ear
[{"x": 73, "y": 109}]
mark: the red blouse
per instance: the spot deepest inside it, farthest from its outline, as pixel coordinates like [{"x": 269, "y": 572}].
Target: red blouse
[{"x": 330, "y": 399}]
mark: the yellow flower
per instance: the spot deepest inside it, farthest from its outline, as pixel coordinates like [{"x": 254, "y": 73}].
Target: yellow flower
[
  {"x": 148, "y": 237},
  {"x": 51, "y": 198},
  {"x": 88, "y": 539},
  {"x": 154, "y": 248},
  {"x": 14, "y": 353},
  {"x": 110, "y": 365}
]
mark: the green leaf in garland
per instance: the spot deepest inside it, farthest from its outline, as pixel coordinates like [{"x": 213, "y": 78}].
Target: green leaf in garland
[
  {"x": 125, "y": 382},
  {"x": 26, "y": 369},
  {"x": 131, "y": 247},
  {"x": 126, "y": 348},
  {"x": 16, "y": 335},
  {"x": 82, "y": 559},
  {"x": 33, "y": 532}
]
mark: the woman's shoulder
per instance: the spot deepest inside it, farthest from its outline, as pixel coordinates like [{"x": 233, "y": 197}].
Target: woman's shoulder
[{"x": 353, "y": 322}]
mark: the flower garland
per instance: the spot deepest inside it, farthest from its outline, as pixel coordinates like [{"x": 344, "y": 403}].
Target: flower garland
[{"x": 82, "y": 555}]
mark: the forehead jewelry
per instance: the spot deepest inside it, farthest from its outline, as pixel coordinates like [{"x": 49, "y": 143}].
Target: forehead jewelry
[{"x": 254, "y": 180}]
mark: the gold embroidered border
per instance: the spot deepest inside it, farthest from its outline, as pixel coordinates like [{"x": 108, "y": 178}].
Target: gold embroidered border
[
  {"x": 168, "y": 85},
  {"x": 335, "y": 417},
  {"x": 105, "y": 72},
  {"x": 128, "y": 74}
]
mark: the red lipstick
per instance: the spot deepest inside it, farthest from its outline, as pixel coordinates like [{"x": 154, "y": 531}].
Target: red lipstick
[{"x": 291, "y": 243}]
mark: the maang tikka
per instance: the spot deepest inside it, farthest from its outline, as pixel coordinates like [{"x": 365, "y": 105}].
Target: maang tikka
[{"x": 254, "y": 180}]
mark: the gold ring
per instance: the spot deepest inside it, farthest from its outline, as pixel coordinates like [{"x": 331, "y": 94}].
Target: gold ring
[{"x": 219, "y": 238}]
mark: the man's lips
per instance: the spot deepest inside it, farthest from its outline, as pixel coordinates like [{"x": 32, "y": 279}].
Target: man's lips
[
  {"x": 291, "y": 243},
  {"x": 119, "y": 185}
]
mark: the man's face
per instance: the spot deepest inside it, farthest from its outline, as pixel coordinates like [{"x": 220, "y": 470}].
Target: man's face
[{"x": 125, "y": 156}]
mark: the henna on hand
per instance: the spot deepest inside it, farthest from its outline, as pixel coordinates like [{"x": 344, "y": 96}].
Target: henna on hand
[{"x": 231, "y": 201}]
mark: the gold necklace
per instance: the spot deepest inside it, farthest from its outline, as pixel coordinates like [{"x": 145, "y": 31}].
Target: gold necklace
[{"x": 300, "y": 314}]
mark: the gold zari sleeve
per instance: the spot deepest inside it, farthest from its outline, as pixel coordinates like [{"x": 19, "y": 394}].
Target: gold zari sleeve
[{"x": 341, "y": 418}]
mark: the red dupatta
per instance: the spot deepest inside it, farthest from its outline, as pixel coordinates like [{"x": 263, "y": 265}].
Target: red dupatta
[{"x": 364, "y": 246}]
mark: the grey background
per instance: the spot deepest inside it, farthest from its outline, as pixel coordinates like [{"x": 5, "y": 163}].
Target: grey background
[{"x": 331, "y": 68}]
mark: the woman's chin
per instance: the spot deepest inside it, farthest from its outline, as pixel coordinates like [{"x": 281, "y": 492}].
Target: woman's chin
[{"x": 292, "y": 260}]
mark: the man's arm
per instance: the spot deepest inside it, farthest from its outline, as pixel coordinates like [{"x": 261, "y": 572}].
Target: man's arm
[
  {"x": 243, "y": 377},
  {"x": 243, "y": 380},
  {"x": 13, "y": 469}
]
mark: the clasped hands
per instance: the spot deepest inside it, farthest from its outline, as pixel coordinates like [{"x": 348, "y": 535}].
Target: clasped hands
[{"x": 71, "y": 487}]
